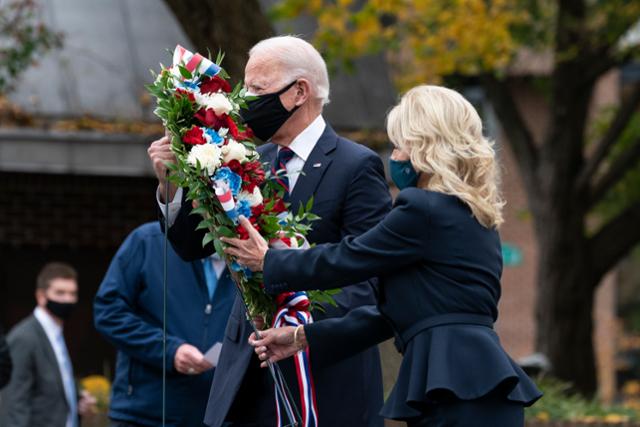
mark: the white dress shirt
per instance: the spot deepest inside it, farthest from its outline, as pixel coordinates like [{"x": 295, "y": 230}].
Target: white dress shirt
[
  {"x": 302, "y": 145},
  {"x": 54, "y": 333}
]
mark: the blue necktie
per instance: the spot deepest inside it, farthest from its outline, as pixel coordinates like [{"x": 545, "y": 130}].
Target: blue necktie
[
  {"x": 67, "y": 380},
  {"x": 210, "y": 276},
  {"x": 284, "y": 155}
]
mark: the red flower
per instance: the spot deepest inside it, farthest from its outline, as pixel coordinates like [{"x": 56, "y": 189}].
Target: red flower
[
  {"x": 212, "y": 85},
  {"x": 182, "y": 92},
  {"x": 194, "y": 136},
  {"x": 257, "y": 211},
  {"x": 209, "y": 118},
  {"x": 279, "y": 206},
  {"x": 233, "y": 128},
  {"x": 236, "y": 167},
  {"x": 244, "y": 234},
  {"x": 246, "y": 134}
]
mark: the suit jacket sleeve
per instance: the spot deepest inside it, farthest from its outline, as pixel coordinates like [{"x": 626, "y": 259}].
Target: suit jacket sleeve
[
  {"x": 5, "y": 361},
  {"x": 17, "y": 399},
  {"x": 397, "y": 241},
  {"x": 334, "y": 339},
  {"x": 184, "y": 238},
  {"x": 115, "y": 313}
]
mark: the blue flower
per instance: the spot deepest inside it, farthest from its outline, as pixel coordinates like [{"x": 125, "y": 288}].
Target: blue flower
[
  {"x": 212, "y": 136},
  {"x": 237, "y": 267},
  {"x": 244, "y": 208},
  {"x": 233, "y": 179}
]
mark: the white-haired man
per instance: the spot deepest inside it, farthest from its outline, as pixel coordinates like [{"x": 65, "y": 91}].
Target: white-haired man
[{"x": 350, "y": 195}]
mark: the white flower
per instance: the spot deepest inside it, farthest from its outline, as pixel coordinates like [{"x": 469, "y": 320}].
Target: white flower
[
  {"x": 223, "y": 132},
  {"x": 234, "y": 151},
  {"x": 218, "y": 102},
  {"x": 209, "y": 156},
  {"x": 254, "y": 198}
]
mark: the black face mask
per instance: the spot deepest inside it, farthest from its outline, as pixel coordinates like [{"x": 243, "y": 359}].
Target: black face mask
[
  {"x": 61, "y": 309},
  {"x": 266, "y": 114}
]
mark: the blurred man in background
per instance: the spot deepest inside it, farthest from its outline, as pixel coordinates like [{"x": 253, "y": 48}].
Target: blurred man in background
[
  {"x": 128, "y": 311},
  {"x": 42, "y": 389}
]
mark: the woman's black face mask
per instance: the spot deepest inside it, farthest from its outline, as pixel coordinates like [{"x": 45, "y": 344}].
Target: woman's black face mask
[{"x": 266, "y": 114}]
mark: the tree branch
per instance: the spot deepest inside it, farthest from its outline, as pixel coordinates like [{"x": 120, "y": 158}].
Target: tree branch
[
  {"x": 618, "y": 125},
  {"x": 618, "y": 169},
  {"x": 511, "y": 120},
  {"x": 614, "y": 240}
]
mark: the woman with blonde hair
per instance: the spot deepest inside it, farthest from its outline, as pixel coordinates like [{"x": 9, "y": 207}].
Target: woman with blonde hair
[{"x": 438, "y": 259}]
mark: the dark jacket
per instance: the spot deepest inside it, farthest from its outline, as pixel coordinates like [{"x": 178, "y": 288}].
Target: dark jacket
[
  {"x": 128, "y": 312},
  {"x": 439, "y": 276},
  {"x": 35, "y": 396},
  {"x": 5, "y": 360},
  {"x": 351, "y": 196}
]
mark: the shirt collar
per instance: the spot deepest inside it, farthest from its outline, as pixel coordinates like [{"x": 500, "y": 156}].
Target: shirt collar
[
  {"x": 303, "y": 144},
  {"x": 48, "y": 324}
]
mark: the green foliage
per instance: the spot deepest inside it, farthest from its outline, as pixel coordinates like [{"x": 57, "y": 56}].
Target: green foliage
[
  {"x": 426, "y": 40},
  {"x": 23, "y": 37},
  {"x": 560, "y": 404}
]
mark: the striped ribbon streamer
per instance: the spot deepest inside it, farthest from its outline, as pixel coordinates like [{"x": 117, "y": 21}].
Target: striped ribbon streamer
[
  {"x": 193, "y": 62},
  {"x": 293, "y": 310}
]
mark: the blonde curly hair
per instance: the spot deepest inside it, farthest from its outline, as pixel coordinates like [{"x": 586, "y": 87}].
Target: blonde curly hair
[{"x": 442, "y": 133}]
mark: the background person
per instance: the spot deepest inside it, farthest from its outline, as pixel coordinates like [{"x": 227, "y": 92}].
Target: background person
[
  {"x": 128, "y": 311},
  {"x": 42, "y": 390}
]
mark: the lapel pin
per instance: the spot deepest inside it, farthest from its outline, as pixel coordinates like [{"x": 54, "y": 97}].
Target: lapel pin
[{"x": 317, "y": 165}]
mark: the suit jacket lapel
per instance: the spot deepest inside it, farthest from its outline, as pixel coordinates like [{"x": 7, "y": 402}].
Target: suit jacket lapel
[
  {"x": 314, "y": 168},
  {"x": 50, "y": 355}
]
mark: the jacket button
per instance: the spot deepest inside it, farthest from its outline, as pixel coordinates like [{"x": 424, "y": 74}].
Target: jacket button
[
  {"x": 207, "y": 309},
  {"x": 130, "y": 390}
]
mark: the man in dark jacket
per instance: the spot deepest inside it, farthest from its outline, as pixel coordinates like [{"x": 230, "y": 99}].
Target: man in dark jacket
[
  {"x": 128, "y": 311},
  {"x": 350, "y": 194},
  {"x": 5, "y": 360}
]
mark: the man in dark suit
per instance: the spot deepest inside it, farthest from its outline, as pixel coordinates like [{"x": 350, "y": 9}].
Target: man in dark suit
[
  {"x": 350, "y": 194},
  {"x": 42, "y": 389}
]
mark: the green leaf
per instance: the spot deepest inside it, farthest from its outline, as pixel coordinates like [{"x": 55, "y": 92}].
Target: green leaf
[
  {"x": 204, "y": 224},
  {"x": 309, "y": 204},
  {"x": 208, "y": 238},
  {"x": 217, "y": 244},
  {"x": 185, "y": 73},
  {"x": 225, "y": 231}
]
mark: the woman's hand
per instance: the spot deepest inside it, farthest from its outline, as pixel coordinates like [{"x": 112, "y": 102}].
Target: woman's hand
[
  {"x": 250, "y": 252},
  {"x": 278, "y": 343}
]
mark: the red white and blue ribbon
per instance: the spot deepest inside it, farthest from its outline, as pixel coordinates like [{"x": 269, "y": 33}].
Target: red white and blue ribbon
[
  {"x": 194, "y": 61},
  {"x": 294, "y": 310}
]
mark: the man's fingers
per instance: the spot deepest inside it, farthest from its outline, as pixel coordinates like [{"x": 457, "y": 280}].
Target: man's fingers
[
  {"x": 232, "y": 241},
  {"x": 232, "y": 251},
  {"x": 249, "y": 227}
]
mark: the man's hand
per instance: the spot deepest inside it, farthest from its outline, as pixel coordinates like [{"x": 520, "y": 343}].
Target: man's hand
[
  {"x": 160, "y": 153},
  {"x": 278, "y": 343},
  {"x": 87, "y": 404},
  {"x": 250, "y": 252},
  {"x": 190, "y": 361}
]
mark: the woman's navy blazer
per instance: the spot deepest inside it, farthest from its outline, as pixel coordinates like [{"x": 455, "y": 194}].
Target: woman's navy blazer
[{"x": 439, "y": 275}]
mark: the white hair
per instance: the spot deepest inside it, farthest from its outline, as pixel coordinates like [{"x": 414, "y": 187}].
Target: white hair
[{"x": 298, "y": 59}]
